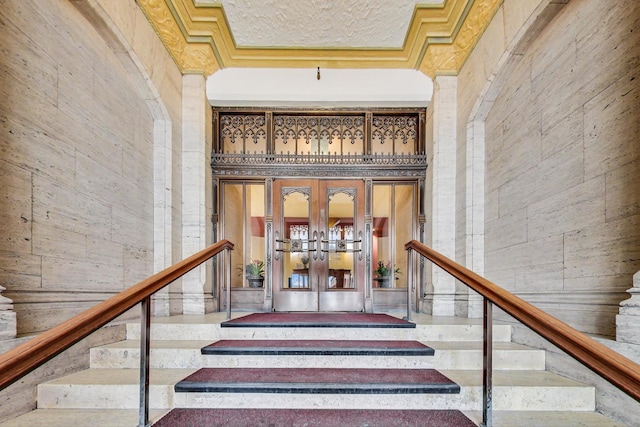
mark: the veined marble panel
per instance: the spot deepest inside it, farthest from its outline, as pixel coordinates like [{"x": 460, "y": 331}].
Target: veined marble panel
[
  {"x": 65, "y": 208},
  {"x": 20, "y": 52},
  {"x": 57, "y": 242},
  {"x": 70, "y": 274},
  {"x": 516, "y": 13},
  {"x": 31, "y": 147},
  {"x": 506, "y": 230},
  {"x": 15, "y": 209},
  {"x": 567, "y": 133},
  {"x": 99, "y": 180},
  {"x": 491, "y": 205},
  {"x": 542, "y": 278},
  {"x": 578, "y": 207},
  {"x": 611, "y": 126},
  {"x": 603, "y": 256},
  {"x": 533, "y": 185},
  {"x": 138, "y": 265},
  {"x": 20, "y": 271},
  {"x": 520, "y": 152},
  {"x": 531, "y": 253},
  {"x": 608, "y": 49},
  {"x": 623, "y": 190},
  {"x": 100, "y": 250}
]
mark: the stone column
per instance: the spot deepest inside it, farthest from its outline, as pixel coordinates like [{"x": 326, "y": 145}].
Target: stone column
[
  {"x": 8, "y": 324},
  {"x": 195, "y": 172},
  {"x": 443, "y": 203},
  {"x": 628, "y": 319}
]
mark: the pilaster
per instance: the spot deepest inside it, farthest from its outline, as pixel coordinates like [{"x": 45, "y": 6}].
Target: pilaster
[
  {"x": 443, "y": 169},
  {"x": 194, "y": 190}
]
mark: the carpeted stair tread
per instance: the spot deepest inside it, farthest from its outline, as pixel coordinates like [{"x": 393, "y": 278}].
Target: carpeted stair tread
[
  {"x": 313, "y": 418},
  {"x": 317, "y": 380},
  {"x": 317, "y": 320},
  {"x": 318, "y": 347}
]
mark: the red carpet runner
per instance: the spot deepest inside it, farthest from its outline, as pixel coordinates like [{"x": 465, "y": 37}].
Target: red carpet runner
[
  {"x": 317, "y": 320},
  {"x": 318, "y": 347},
  {"x": 317, "y": 381},
  {"x": 375, "y": 382},
  {"x": 313, "y": 418}
]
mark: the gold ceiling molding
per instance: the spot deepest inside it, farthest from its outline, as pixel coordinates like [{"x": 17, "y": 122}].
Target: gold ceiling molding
[
  {"x": 438, "y": 40},
  {"x": 443, "y": 59}
]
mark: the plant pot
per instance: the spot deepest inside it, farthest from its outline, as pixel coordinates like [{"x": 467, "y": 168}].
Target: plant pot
[
  {"x": 255, "y": 281},
  {"x": 384, "y": 281}
]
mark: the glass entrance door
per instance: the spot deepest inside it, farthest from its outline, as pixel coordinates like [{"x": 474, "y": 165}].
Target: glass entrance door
[{"x": 318, "y": 227}]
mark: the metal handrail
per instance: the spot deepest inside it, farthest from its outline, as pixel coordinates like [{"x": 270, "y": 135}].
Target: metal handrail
[
  {"x": 620, "y": 371},
  {"x": 28, "y": 356}
]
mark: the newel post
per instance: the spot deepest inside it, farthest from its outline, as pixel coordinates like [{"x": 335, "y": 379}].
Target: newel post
[
  {"x": 628, "y": 318},
  {"x": 8, "y": 323}
]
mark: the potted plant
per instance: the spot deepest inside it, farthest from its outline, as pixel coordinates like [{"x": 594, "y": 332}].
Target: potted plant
[
  {"x": 255, "y": 273},
  {"x": 383, "y": 273}
]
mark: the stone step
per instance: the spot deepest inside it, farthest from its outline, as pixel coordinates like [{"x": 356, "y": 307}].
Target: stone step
[
  {"x": 187, "y": 354},
  {"x": 129, "y": 417},
  {"x": 317, "y": 381},
  {"x": 207, "y": 327},
  {"x": 317, "y": 348},
  {"x": 513, "y": 390}
]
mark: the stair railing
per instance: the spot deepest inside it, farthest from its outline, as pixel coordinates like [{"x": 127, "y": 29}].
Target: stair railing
[
  {"x": 28, "y": 356},
  {"x": 620, "y": 371}
]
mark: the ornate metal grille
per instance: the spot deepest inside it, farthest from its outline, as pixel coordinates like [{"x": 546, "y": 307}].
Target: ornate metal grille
[
  {"x": 394, "y": 134},
  {"x": 319, "y": 134},
  {"x": 345, "y": 144},
  {"x": 243, "y": 133}
]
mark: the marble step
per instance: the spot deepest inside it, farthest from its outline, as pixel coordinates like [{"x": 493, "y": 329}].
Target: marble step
[
  {"x": 187, "y": 354},
  {"x": 317, "y": 348},
  {"x": 326, "y": 381},
  {"x": 129, "y": 417},
  {"x": 207, "y": 327},
  {"x": 513, "y": 390}
]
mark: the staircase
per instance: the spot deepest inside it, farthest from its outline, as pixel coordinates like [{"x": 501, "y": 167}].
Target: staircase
[{"x": 524, "y": 394}]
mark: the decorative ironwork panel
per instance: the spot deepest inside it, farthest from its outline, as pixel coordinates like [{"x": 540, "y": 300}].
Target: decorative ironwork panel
[
  {"x": 340, "y": 135},
  {"x": 394, "y": 134},
  {"x": 243, "y": 133},
  {"x": 350, "y": 143},
  {"x": 327, "y": 165}
]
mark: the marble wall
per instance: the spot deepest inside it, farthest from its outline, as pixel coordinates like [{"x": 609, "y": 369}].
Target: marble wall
[
  {"x": 90, "y": 168},
  {"x": 77, "y": 153},
  {"x": 158, "y": 80},
  {"x": 561, "y": 123}
]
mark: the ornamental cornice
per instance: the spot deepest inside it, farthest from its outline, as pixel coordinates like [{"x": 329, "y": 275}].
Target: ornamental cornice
[{"x": 438, "y": 41}]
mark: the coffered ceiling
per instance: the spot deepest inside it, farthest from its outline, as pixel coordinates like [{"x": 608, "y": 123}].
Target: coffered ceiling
[{"x": 433, "y": 36}]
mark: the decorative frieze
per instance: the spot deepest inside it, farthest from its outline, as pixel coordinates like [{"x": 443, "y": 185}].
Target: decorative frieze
[{"x": 301, "y": 165}]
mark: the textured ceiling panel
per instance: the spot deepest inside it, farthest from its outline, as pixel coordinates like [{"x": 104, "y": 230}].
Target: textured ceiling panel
[
  {"x": 433, "y": 36},
  {"x": 321, "y": 23}
]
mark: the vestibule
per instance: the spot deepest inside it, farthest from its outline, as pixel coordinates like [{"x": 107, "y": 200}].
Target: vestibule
[{"x": 323, "y": 202}]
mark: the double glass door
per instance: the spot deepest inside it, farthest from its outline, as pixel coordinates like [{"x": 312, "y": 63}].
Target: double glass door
[{"x": 318, "y": 261}]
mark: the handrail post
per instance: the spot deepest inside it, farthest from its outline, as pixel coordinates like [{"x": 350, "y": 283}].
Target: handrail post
[
  {"x": 145, "y": 339},
  {"x": 487, "y": 363},
  {"x": 410, "y": 279},
  {"x": 227, "y": 282}
]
